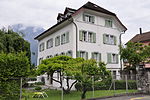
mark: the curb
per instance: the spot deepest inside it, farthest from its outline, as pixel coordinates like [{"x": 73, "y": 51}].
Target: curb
[{"x": 118, "y": 95}]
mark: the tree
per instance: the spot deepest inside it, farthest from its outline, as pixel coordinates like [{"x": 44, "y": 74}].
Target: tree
[
  {"x": 12, "y": 67},
  {"x": 135, "y": 53},
  {"x": 14, "y": 63},
  {"x": 64, "y": 65},
  {"x": 89, "y": 69}
]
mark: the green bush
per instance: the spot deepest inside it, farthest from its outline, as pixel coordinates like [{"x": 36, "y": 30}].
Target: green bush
[
  {"x": 39, "y": 83},
  {"x": 105, "y": 85},
  {"x": 121, "y": 84},
  {"x": 38, "y": 88}
]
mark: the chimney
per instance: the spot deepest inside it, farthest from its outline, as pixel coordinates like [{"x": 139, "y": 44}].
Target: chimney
[{"x": 140, "y": 30}]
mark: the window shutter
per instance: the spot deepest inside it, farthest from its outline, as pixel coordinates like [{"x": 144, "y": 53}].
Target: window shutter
[
  {"x": 92, "y": 55},
  {"x": 83, "y": 17},
  {"x": 62, "y": 39},
  {"x": 104, "y": 38},
  {"x": 94, "y": 37},
  {"x": 100, "y": 57},
  {"x": 115, "y": 40},
  {"x": 93, "y": 19},
  {"x": 59, "y": 40},
  {"x": 78, "y": 53},
  {"x": 52, "y": 42},
  {"x": 80, "y": 35},
  {"x": 117, "y": 59},
  {"x": 67, "y": 37},
  {"x": 108, "y": 57},
  {"x": 55, "y": 41},
  {"x": 87, "y": 55}
]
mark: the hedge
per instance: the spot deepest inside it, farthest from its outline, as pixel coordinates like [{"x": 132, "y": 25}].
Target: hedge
[{"x": 119, "y": 84}]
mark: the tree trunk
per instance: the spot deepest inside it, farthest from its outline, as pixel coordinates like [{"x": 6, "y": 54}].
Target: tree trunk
[{"x": 84, "y": 90}]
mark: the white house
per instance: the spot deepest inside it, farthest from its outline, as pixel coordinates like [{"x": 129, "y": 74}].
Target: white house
[{"x": 89, "y": 32}]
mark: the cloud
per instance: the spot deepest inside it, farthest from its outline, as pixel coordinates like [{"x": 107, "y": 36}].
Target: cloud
[{"x": 132, "y": 13}]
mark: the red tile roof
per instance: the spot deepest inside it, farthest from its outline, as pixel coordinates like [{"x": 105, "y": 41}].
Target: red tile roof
[{"x": 141, "y": 37}]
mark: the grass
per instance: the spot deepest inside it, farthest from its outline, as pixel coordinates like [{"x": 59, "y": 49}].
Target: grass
[{"x": 75, "y": 95}]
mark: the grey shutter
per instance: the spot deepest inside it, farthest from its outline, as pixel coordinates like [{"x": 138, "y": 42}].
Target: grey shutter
[
  {"x": 94, "y": 37},
  {"x": 104, "y": 38},
  {"x": 92, "y": 55},
  {"x": 117, "y": 59},
  {"x": 52, "y": 42},
  {"x": 115, "y": 40},
  {"x": 78, "y": 53},
  {"x": 108, "y": 57},
  {"x": 62, "y": 39},
  {"x": 86, "y": 55},
  {"x": 58, "y": 40},
  {"x": 67, "y": 37},
  {"x": 80, "y": 35},
  {"x": 83, "y": 17},
  {"x": 100, "y": 57},
  {"x": 93, "y": 19}
]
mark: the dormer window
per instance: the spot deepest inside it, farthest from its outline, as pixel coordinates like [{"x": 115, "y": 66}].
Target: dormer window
[
  {"x": 108, "y": 23},
  {"x": 88, "y": 18}
]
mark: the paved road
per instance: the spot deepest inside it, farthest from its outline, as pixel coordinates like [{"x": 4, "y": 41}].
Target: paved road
[{"x": 137, "y": 97}]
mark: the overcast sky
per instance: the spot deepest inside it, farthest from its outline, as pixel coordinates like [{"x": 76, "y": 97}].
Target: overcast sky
[{"x": 43, "y": 13}]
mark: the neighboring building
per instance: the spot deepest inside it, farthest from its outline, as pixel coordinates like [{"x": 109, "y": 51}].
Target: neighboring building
[
  {"x": 89, "y": 32},
  {"x": 143, "y": 38}
]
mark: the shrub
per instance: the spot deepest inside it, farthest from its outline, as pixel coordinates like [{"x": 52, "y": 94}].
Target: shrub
[
  {"x": 38, "y": 88},
  {"x": 105, "y": 85},
  {"x": 39, "y": 83}
]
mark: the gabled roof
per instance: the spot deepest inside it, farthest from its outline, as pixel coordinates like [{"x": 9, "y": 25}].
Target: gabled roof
[
  {"x": 88, "y": 5},
  {"x": 141, "y": 37}
]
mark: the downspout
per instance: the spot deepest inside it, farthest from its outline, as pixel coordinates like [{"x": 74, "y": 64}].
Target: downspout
[
  {"x": 76, "y": 36},
  {"x": 120, "y": 49}
]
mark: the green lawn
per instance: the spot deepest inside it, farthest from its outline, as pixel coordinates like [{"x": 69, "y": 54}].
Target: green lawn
[{"x": 74, "y": 95}]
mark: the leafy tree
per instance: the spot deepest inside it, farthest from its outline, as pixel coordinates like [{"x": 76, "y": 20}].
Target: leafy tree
[
  {"x": 64, "y": 65},
  {"x": 89, "y": 69},
  {"x": 135, "y": 53},
  {"x": 12, "y": 67},
  {"x": 14, "y": 63}
]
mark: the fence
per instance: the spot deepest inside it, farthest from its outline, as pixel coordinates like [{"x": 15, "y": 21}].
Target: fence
[{"x": 66, "y": 87}]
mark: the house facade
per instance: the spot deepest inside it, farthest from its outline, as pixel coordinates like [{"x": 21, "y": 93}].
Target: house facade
[{"x": 88, "y": 32}]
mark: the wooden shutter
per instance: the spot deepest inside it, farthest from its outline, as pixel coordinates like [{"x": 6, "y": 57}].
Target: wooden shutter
[
  {"x": 52, "y": 43},
  {"x": 92, "y": 55},
  {"x": 78, "y": 53},
  {"x": 115, "y": 40},
  {"x": 100, "y": 57},
  {"x": 86, "y": 55},
  {"x": 62, "y": 42},
  {"x": 93, "y": 19},
  {"x": 109, "y": 58},
  {"x": 83, "y": 17},
  {"x": 104, "y": 38},
  {"x": 67, "y": 37},
  {"x": 117, "y": 60},
  {"x": 80, "y": 35},
  {"x": 94, "y": 37}
]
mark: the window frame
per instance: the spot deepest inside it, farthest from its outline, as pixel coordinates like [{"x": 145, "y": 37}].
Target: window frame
[
  {"x": 88, "y": 18},
  {"x": 42, "y": 47},
  {"x": 110, "y": 58},
  {"x": 109, "y": 23},
  {"x": 49, "y": 43},
  {"x": 57, "y": 40},
  {"x": 108, "y": 38}
]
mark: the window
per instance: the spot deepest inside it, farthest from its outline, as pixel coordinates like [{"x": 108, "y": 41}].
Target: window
[
  {"x": 65, "y": 38},
  {"x": 40, "y": 60},
  {"x": 57, "y": 41},
  {"x": 87, "y": 36},
  {"x": 88, "y": 18},
  {"x": 108, "y": 23},
  {"x": 49, "y": 43},
  {"x": 69, "y": 53},
  {"x": 109, "y": 39},
  {"x": 96, "y": 56},
  {"x": 114, "y": 74},
  {"x": 62, "y": 53},
  {"x": 49, "y": 56},
  {"x": 56, "y": 55},
  {"x": 41, "y": 47},
  {"x": 83, "y": 54},
  {"x": 112, "y": 58}
]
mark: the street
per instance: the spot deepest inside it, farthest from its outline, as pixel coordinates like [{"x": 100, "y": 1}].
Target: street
[{"x": 137, "y": 97}]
